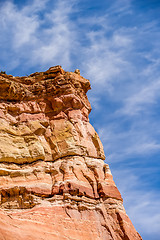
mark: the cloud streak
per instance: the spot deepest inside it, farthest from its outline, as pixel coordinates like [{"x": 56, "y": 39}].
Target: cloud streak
[{"x": 39, "y": 39}]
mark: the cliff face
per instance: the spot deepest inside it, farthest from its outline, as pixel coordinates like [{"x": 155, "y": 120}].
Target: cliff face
[{"x": 54, "y": 183}]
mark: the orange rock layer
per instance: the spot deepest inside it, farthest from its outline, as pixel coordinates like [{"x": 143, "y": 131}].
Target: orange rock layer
[{"x": 54, "y": 183}]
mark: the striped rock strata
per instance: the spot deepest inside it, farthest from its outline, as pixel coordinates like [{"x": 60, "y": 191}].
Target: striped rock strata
[{"x": 54, "y": 183}]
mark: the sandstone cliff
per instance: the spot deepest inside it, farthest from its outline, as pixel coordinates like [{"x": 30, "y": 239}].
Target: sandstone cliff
[{"x": 54, "y": 183}]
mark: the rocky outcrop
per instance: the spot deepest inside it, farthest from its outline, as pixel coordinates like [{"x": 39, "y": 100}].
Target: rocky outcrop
[{"x": 54, "y": 183}]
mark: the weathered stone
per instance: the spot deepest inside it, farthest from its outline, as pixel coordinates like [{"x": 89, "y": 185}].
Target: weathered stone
[{"x": 54, "y": 183}]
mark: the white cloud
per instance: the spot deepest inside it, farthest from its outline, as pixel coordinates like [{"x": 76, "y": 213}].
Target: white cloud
[
  {"x": 146, "y": 94},
  {"x": 37, "y": 36},
  {"x": 122, "y": 7},
  {"x": 17, "y": 24},
  {"x": 57, "y": 42},
  {"x": 123, "y": 145},
  {"x": 104, "y": 59}
]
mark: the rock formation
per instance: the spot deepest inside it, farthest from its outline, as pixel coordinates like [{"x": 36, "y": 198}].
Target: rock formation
[{"x": 54, "y": 184}]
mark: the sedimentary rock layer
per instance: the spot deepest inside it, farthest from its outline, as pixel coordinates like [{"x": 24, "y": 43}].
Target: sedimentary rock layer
[{"x": 54, "y": 183}]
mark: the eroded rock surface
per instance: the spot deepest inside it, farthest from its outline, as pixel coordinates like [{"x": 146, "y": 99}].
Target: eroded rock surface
[{"x": 54, "y": 183}]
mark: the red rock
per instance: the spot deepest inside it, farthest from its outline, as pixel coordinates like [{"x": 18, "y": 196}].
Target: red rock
[{"x": 54, "y": 183}]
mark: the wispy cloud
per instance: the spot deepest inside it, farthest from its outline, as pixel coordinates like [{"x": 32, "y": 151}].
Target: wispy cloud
[
  {"x": 40, "y": 38},
  {"x": 148, "y": 94},
  {"x": 57, "y": 42},
  {"x": 141, "y": 202},
  {"x": 122, "y": 144},
  {"x": 105, "y": 57}
]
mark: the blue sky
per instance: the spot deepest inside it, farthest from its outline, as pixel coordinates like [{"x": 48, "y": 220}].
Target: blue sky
[{"x": 115, "y": 44}]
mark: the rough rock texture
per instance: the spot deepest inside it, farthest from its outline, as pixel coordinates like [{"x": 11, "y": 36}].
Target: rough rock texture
[{"x": 54, "y": 183}]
